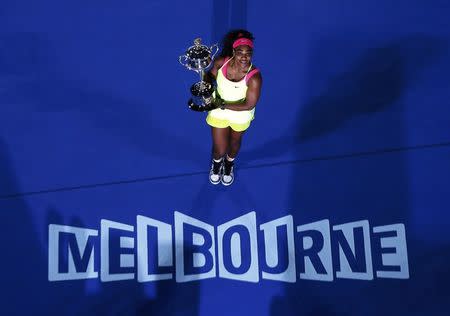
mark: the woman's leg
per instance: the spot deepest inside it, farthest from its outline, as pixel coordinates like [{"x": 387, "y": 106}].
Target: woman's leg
[
  {"x": 233, "y": 149},
  {"x": 220, "y": 137},
  {"x": 234, "y": 143}
]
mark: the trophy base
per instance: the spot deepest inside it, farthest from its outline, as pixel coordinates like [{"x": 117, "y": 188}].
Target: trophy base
[{"x": 200, "y": 107}]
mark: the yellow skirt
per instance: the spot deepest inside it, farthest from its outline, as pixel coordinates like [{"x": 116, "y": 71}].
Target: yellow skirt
[{"x": 239, "y": 121}]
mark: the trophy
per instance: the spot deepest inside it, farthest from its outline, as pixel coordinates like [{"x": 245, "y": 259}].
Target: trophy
[{"x": 199, "y": 58}]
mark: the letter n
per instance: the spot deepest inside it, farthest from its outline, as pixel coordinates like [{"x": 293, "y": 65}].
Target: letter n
[{"x": 355, "y": 253}]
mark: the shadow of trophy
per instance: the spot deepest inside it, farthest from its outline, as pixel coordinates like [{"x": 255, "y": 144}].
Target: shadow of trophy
[{"x": 199, "y": 58}]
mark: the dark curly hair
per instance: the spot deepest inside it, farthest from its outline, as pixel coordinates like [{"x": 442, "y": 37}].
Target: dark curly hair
[{"x": 230, "y": 37}]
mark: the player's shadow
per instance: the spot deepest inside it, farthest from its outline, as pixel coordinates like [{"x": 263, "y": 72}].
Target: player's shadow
[{"x": 208, "y": 197}]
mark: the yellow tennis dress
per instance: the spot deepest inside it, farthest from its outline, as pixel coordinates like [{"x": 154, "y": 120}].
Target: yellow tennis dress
[{"x": 231, "y": 91}]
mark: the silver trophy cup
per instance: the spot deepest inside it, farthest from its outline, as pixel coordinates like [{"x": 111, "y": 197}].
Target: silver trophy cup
[{"x": 199, "y": 58}]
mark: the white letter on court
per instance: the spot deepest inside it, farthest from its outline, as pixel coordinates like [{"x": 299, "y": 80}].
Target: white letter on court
[
  {"x": 164, "y": 251},
  {"x": 271, "y": 249},
  {"x": 398, "y": 258},
  {"x": 126, "y": 260}
]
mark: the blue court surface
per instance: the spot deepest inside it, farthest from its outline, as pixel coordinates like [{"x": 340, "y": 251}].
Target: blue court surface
[{"x": 341, "y": 200}]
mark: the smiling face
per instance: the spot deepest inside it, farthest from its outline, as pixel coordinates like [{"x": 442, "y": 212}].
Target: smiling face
[{"x": 243, "y": 55}]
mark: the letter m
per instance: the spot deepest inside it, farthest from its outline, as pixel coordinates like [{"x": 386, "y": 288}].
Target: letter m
[{"x": 70, "y": 253}]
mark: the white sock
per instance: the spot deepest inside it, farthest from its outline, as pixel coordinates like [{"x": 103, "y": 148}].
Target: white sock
[{"x": 230, "y": 159}]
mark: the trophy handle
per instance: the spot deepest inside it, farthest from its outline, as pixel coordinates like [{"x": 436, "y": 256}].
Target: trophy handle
[
  {"x": 185, "y": 64},
  {"x": 216, "y": 47}
]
